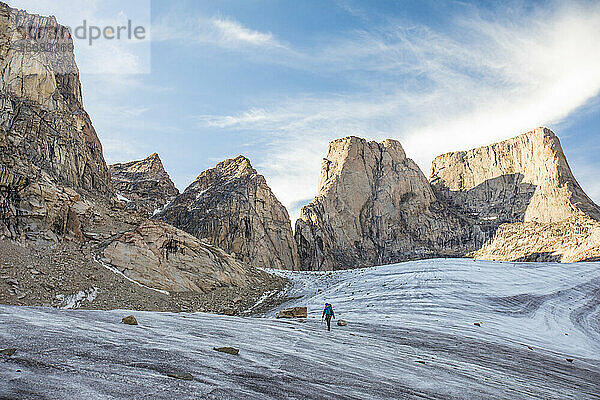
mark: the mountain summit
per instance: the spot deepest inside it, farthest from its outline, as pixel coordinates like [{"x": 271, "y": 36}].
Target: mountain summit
[
  {"x": 514, "y": 200},
  {"x": 524, "y": 189},
  {"x": 374, "y": 207},
  {"x": 232, "y": 207},
  {"x": 46, "y": 135},
  {"x": 144, "y": 184},
  {"x": 523, "y": 179}
]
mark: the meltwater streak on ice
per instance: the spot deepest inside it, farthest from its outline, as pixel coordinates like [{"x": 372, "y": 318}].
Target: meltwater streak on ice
[
  {"x": 549, "y": 305},
  {"x": 427, "y": 348}
]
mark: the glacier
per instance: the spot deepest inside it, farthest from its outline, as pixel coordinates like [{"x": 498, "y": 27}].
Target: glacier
[{"x": 411, "y": 334}]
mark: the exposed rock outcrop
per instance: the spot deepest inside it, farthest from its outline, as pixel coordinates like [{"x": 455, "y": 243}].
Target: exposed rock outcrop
[
  {"x": 524, "y": 179},
  {"x": 144, "y": 184},
  {"x": 45, "y": 134},
  {"x": 524, "y": 188},
  {"x": 232, "y": 207},
  {"x": 10, "y": 186},
  {"x": 294, "y": 312},
  {"x": 514, "y": 200},
  {"x": 163, "y": 257},
  {"x": 572, "y": 240},
  {"x": 43, "y": 120},
  {"x": 55, "y": 186},
  {"x": 376, "y": 207}
]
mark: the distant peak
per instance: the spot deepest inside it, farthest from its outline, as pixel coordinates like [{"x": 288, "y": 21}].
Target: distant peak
[
  {"x": 542, "y": 130},
  {"x": 153, "y": 158},
  {"x": 238, "y": 166},
  {"x": 150, "y": 163},
  {"x": 237, "y": 162},
  {"x": 242, "y": 159},
  {"x": 356, "y": 139},
  {"x": 353, "y": 143}
]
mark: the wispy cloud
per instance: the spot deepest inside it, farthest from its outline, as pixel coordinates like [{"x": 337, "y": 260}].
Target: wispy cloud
[
  {"x": 251, "y": 116},
  {"x": 219, "y": 31},
  {"x": 234, "y": 33},
  {"x": 487, "y": 78}
]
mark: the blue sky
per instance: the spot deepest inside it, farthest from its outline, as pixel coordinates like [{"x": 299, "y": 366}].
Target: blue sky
[{"x": 276, "y": 80}]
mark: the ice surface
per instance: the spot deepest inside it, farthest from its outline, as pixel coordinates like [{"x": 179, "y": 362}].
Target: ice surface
[
  {"x": 529, "y": 303},
  {"x": 411, "y": 334}
]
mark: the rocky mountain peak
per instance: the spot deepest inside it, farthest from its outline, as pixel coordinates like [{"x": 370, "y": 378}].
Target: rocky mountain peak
[
  {"x": 374, "y": 206},
  {"x": 51, "y": 79},
  {"x": 237, "y": 167},
  {"x": 523, "y": 190},
  {"x": 232, "y": 207},
  {"x": 55, "y": 187},
  {"x": 144, "y": 184},
  {"x": 511, "y": 200},
  {"x": 45, "y": 134},
  {"x": 154, "y": 160},
  {"x": 350, "y": 152},
  {"x": 523, "y": 179},
  {"x": 151, "y": 165}
]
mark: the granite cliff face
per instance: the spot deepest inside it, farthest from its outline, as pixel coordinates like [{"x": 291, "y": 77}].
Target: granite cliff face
[
  {"x": 232, "y": 207},
  {"x": 375, "y": 207},
  {"x": 55, "y": 187},
  {"x": 144, "y": 184},
  {"x": 524, "y": 179},
  {"x": 522, "y": 187},
  {"x": 45, "y": 134},
  {"x": 163, "y": 257},
  {"x": 515, "y": 200}
]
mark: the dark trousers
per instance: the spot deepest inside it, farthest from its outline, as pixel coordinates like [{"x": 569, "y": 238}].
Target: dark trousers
[{"x": 328, "y": 319}]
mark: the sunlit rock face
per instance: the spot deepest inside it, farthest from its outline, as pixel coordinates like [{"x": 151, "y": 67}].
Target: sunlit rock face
[
  {"x": 163, "y": 257},
  {"x": 45, "y": 134},
  {"x": 514, "y": 200},
  {"x": 374, "y": 207},
  {"x": 523, "y": 187},
  {"x": 232, "y": 207},
  {"x": 524, "y": 179}
]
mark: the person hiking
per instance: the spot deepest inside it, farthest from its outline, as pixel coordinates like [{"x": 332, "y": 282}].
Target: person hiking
[{"x": 328, "y": 314}]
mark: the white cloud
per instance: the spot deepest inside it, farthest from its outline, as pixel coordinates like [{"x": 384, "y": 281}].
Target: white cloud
[
  {"x": 233, "y": 32},
  {"x": 490, "y": 78},
  {"x": 218, "y": 31},
  {"x": 231, "y": 121}
]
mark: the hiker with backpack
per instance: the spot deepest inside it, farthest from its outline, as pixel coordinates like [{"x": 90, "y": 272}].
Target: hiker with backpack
[{"x": 328, "y": 314}]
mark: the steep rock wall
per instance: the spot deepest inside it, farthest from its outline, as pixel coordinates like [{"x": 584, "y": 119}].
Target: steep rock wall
[
  {"x": 375, "y": 207},
  {"x": 145, "y": 184},
  {"x": 524, "y": 189},
  {"x": 232, "y": 207},
  {"x": 524, "y": 179},
  {"x": 45, "y": 133}
]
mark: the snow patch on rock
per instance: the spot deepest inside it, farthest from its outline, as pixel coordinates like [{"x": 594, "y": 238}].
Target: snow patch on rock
[{"x": 74, "y": 301}]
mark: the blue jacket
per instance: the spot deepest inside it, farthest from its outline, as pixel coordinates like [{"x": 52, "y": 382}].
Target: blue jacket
[{"x": 328, "y": 311}]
